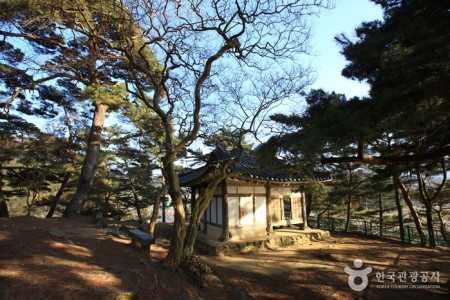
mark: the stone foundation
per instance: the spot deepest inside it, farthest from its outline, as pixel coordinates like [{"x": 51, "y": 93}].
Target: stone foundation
[{"x": 212, "y": 247}]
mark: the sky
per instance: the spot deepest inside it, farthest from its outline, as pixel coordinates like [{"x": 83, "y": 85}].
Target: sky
[{"x": 328, "y": 62}]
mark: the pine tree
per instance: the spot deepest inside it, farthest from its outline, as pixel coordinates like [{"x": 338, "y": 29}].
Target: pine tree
[{"x": 77, "y": 41}]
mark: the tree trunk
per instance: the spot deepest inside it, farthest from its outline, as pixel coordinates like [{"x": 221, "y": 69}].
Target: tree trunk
[
  {"x": 198, "y": 208},
  {"x": 349, "y": 209},
  {"x": 106, "y": 204},
  {"x": 413, "y": 212},
  {"x": 326, "y": 210},
  {"x": 442, "y": 223},
  {"x": 430, "y": 227},
  {"x": 58, "y": 195},
  {"x": 349, "y": 200},
  {"x": 136, "y": 201},
  {"x": 155, "y": 214},
  {"x": 225, "y": 225},
  {"x": 399, "y": 213},
  {"x": 163, "y": 209},
  {"x": 427, "y": 200},
  {"x": 191, "y": 233},
  {"x": 4, "y": 213},
  {"x": 90, "y": 163},
  {"x": 380, "y": 203},
  {"x": 28, "y": 203},
  {"x": 175, "y": 254},
  {"x": 308, "y": 204}
]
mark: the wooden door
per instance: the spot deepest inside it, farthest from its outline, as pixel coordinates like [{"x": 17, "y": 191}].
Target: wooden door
[
  {"x": 276, "y": 209},
  {"x": 296, "y": 206}
]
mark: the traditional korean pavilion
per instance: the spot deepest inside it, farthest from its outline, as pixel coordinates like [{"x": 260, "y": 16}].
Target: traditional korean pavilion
[{"x": 252, "y": 202}]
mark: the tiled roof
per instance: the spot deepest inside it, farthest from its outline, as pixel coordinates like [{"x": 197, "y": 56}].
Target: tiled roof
[
  {"x": 192, "y": 175},
  {"x": 248, "y": 168}
]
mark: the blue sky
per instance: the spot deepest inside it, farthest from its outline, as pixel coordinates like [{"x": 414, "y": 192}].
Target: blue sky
[{"x": 328, "y": 62}]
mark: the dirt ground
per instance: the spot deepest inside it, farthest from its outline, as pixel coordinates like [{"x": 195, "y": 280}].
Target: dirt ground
[{"x": 89, "y": 262}]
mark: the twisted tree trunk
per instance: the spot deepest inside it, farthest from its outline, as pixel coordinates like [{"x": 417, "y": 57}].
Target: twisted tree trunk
[
  {"x": 155, "y": 214},
  {"x": 199, "y": 206},
  {"x": 442, "y": 226},
  {"x": 175, "y": 254},
  {"x": 399, "y": 213},
  {"x": 413, "y": 212},
  {"x": 58, "y": 195}
]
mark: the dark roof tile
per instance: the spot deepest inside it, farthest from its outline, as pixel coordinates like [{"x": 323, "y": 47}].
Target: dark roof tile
[{"x": 248, "y": 167}]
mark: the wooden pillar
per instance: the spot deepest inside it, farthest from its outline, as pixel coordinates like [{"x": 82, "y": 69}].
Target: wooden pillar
[
  {"x": 269, "y": 227},
  {"x": 304, "y": 215},
  {"x": 225, "y": 220}
]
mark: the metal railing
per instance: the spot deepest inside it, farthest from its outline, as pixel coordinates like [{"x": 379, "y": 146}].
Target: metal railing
[{"x": 372, "y": 228}]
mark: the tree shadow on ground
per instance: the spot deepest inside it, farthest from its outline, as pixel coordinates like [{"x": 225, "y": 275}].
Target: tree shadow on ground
[{"x": 87, "y": 263}]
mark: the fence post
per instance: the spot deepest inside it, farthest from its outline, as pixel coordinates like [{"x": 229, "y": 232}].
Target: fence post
[
  {"x": 332, "y": 224},
  {"x": 318, "y": 222},
  {"x": 365, "y": 227}
]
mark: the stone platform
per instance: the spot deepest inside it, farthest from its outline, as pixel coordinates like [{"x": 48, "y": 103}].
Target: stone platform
[{"x": 279, "y": 238}]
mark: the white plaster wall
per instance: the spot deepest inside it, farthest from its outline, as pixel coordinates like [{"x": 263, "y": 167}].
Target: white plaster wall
[
  {"x": 245, "y": 190},
  {"x": 233, "y": 211},
  {"x": 246, "y": 210},
  {"x": 297, "y": 194},
  {"x": 275, "y": 193},
  {"x": 286, "y": 191},
  {"x": 260, "y": 210},
  {"x": 260, "y": 190},
  {"x": 232, "y": 189}
]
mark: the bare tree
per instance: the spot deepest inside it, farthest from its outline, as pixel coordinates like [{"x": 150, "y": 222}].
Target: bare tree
[{"x": 201, "y": 45}]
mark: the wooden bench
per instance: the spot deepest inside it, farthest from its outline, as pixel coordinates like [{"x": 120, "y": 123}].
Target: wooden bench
[{"x": 141, "y": 239}]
